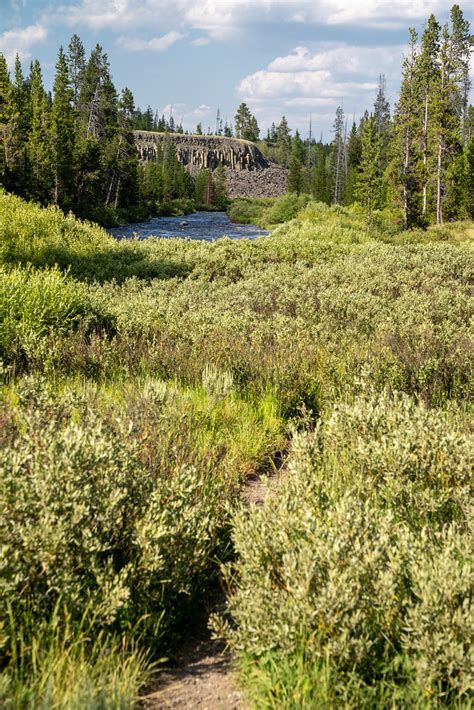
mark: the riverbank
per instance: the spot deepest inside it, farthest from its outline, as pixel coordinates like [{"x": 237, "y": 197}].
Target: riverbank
[{"x": 109, "y": 217}]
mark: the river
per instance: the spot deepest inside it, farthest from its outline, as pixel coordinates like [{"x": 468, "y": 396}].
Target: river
[{"x": 208, "y": 226}]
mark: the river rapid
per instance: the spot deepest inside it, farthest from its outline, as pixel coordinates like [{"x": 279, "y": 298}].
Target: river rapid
[{"x": 207, "y": 226}]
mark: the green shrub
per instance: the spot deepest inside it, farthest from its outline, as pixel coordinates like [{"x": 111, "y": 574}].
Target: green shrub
[
  {"x": 362, "y": 556},
  {"x": 244, "y": 210},
  {"x": 45, "y": 237},
  {"x": 285, "y": 208},
  {"x": 36, "y": 306},
  {"x": 120, "y": 514}
]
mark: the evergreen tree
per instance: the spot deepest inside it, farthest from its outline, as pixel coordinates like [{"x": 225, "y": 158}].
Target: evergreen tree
[
  {"x": 124, "y": 173},
  {"x": 382, "y": 108},
  {"x": 147, "y": 124},
  {"x": 8, "y": 128},
  {"x": 354, "y": 157},
  {"x": 22, "y": 101},
  {"x": 427, "y": 78},
  {"x": 461, "y": 44},
  {"x": 220, "y": 187},
  {"x": 294, "y": 181},
  {"x": 76, "y": 64},
  {"x": 447, "y": 127},
  {"x": 218, "y": 123},
  {"x": 405, "y": 170},
  {"x": 320, "y": 185},
  {"x": 282, "y": 142},
  {"x": 470, "y": 178},
  {"x": 297, "y": 145},
  {"x": 205, "y": 191},
  {"x": 338, "y": 156},
  {"x": 246, "y": 126},
  {"x": 39, "y": 140},
  {"x": 62, "y": 124},
  {"x": 369, "y": 186}
]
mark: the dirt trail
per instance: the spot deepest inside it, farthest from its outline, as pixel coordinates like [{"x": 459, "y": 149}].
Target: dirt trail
[{"x": 202, "y": 677}]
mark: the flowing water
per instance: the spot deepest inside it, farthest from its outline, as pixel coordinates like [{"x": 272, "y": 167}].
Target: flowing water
[{"x": 200, "y": 225}]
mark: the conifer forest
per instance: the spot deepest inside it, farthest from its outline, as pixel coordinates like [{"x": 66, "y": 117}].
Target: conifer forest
[{"x": 236, "y": 473}]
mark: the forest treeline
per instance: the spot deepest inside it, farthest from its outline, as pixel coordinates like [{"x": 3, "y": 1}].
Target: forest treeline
[
  {"x": 75, "y": 148},
  {"x": 417, "y": 162}
]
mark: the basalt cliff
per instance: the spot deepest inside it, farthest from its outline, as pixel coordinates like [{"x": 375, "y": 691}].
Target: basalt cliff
[{"x": 249, "y": 174}]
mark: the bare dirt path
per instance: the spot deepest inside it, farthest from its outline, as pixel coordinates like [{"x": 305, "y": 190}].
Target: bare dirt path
[{"x": 203, "y": 677}]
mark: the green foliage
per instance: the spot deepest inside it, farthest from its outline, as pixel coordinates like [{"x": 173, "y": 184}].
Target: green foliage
[
  {"x": 246, "y": 126},
  {"x": 116, "y": 496},
  {"x": 295, "y": 173},
  {"x": 361, "y": 556},
  {"x": 44, "y": 237},
  {"x": 266, "y": 211},
  {"x": 55, "y": 663},
  {"x": 114, "y": 508},
  {"x": 36, "y": 306}
]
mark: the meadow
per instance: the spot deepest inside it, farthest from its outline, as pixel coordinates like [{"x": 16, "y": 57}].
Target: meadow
[{"x": 143, "y": 381}]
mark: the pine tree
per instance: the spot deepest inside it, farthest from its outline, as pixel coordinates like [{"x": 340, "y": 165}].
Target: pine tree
[
  {"x": 148, "y": 119},
  {"x": 369, "y": 186},
  {"x": 382, "y": 108},
  {"x": 9, "y": 133},
  {"x": 405, "y": 167},
  {"x": 124, "y": 183},
  {"x": 205, "y": 191},
  {"x": 470, "y": 177},
  {"x": 294, "y": 181},
  {"x": 22, "y": 101},
  {"x": 461, "y": 43},
  {"x": 427, "y": 76},
  {"x": 76, "y": 64},
  {"x": 220, "y": 187},
  {"x": 447, "y": 127},
  {"x": 338, "y": 156},
  {"x": 282, "y": 142},
  {"x": 354, "y": 157},
  {"x": 246, "y": 126},
  {"x": 39, "y": 140},
  {"x": 320, "y": 184},
  {"x": 63, "y": 135},
  {"x": 218, "y": 123}
]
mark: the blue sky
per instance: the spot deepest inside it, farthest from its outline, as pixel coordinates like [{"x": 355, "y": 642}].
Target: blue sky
[{"x": 292, "y": 57}]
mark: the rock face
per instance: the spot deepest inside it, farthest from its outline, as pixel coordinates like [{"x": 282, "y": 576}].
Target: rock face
[
  {"x": 268, "y": 182},
  {"x": 249, "y": 174}
]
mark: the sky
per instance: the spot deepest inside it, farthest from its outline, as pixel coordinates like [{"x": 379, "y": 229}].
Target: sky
[{"x": 191, "y": 57}]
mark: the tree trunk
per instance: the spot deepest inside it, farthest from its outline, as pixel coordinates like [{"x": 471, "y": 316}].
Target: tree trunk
[
  {"x": 406, "y": 164},
  {"x": 439, "y": 206},
  {"x": 425, "y": 158}
]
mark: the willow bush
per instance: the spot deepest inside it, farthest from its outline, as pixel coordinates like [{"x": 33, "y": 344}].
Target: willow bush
[{"x": 360, "y": 560}]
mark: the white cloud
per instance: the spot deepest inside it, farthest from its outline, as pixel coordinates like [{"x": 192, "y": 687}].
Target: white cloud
[
  {"x": 156, "y": 44},
  {"x": 201, "y": 41},
  {"x": 201, "y": 111},
  {"x": 21, "y": 41},
  {"x": 317, "y": 81},
  {"x": 221, "y": 19},
  {"x": 341, "y": 59},
  {"x": 186, "y": 114},
  {"x": 332, "y": 71}
]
